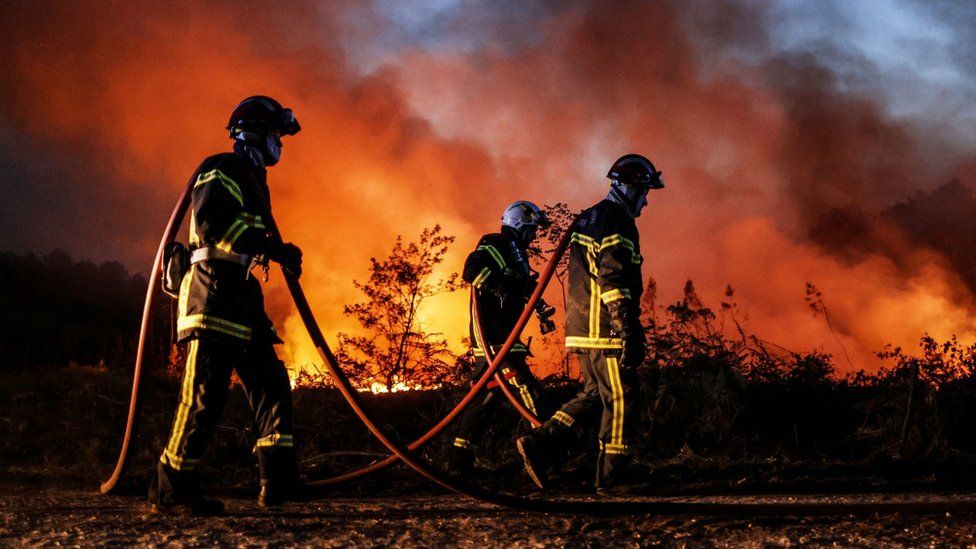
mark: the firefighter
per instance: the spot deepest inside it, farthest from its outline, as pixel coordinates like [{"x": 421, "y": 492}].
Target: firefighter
[
  {"x": 502, "y": 281},
  {"x": 603, "y": 327},
  {"x": 221, "y": 317}
]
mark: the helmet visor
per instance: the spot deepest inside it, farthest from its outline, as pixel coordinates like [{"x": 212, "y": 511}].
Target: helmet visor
[
  {"x": 289, "y": 124},
  {"x": 541, "y": 219}
]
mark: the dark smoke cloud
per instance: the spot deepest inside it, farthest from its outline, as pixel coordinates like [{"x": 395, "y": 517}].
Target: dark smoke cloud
[
  {"x": 779, "y": 163},
  {"x": 767, "y": 152}
]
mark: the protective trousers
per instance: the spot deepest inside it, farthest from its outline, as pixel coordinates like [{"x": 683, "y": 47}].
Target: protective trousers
[
  {"x": 612, "y": 393},
  {"x": 203, "y": 393},
  {"x": 477, "y": 418}
]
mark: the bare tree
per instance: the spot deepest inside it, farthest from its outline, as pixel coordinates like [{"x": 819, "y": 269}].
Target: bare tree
[{"x": 397, "y": 349}]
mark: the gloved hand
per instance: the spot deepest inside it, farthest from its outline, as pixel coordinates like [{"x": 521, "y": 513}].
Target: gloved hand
[
  {"x": 288, "y": 255},
  {"x": 544, "y": 312},
  {"x": 625, "y": 323}
]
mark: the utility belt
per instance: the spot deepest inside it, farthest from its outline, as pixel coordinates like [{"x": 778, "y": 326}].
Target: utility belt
[
  {"x": 210, "y": 253},
  {"x": 177, "y": 260}
]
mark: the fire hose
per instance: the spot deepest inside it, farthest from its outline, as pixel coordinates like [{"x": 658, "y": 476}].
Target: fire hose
[
  {"x": 175, "y": 220},
  {"x": 491, "y": 370},
  {"x": 438, "y": 477},
  {"x": 502, "y": 383}
]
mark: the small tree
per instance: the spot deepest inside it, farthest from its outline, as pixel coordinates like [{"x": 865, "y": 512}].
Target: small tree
[
  {"x": 539, "y": 254},
  {"x": 398, "y": 350}
]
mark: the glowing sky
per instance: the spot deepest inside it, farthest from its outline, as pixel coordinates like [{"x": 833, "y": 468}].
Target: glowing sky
[{"x": 766, "y": 117}]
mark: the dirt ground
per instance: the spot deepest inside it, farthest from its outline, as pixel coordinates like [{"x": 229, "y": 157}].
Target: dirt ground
[{"x": 58, "y": 517}]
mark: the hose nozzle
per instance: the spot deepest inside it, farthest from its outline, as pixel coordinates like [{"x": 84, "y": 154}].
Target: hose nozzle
[{"x": 544, "y": 312}]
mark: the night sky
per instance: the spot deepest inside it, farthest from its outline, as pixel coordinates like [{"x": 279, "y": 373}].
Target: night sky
[{"x": 781, "y": 127}]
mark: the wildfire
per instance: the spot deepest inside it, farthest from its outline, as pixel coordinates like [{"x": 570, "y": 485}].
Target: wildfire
[
  {"x": 312, "y": 376},
  {"x": 376, "y": 388},
  {"x": 403, "y": 155}
]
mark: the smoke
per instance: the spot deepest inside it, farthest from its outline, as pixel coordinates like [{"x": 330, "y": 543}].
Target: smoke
[{"x": 415, "y": 117}]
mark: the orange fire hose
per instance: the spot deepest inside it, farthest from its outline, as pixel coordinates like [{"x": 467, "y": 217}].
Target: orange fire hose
[
  {"x": 438, "y": 477},
  {"x": 492, "y": 369},
  {"x": 131, "y": 422},
  {"x": 503, "y": 383}
]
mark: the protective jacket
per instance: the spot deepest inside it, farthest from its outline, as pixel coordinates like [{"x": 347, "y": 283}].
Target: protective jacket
[
  {"x": 229, "y": 218},
  {"x": 604, "y": 267},
  {"x": 500, "y": 274}
]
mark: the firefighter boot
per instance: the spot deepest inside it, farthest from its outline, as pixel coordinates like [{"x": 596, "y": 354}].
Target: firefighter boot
[
  {"x": 619, "y": 475},
  {"x": 279, "y": 476},
  {"x": 173, "y": 492},
  {"x": 540, "y": 448},
  {"x": 461, "y": 462},
  {"x": 531, "y": 448}
]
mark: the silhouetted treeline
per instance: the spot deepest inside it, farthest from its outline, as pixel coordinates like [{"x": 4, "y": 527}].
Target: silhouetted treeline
[{"x": 55, "y": 311}]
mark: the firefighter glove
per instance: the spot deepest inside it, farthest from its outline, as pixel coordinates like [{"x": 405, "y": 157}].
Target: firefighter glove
[
  {"x": 289, "y": 256},
  {"x": 625, "y": 323}
]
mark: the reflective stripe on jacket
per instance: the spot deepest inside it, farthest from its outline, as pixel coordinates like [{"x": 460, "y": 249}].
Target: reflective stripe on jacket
[
  {"x": 604, "y": 266},
  {"x": 496, "y": 266},
  {"x": 228, "y": 212}
]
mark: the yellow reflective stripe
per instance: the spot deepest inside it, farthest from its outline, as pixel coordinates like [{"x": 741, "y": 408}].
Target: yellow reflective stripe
[
  {"x": 594, "y": 342},
  {"x": 480, "y": 350},
  {"x": 615, "y": 448},
  {"x": 583, "y": 239},
  {"x": 480, "y": 279},
  {"x": 234, "y": 232},
  {"x": 232, "y": 187},
  {"x": 617, "y": 401},
  {"x": 526, "y": 396},
  {"x": 594, "y": 311},
  {"x": 215, "y": 324},
  {"x": 229, "y": 324},
  {"x": 612, "y": 240},
  {"x": 595, "y": 305},
  {"x": 564, "y": 418},
  {"x": 243, "y": 222},
  {"x": 252, "y": 220},
  {"x": 177, "y": 462},
  {"x": 275, "y": 439},
  {"x": 478, "y": 344},
  {"x": 186, "y": 402},
  {"x": 194, "y": 236},
  {"x": 186, "y": 397},
  {"x": 616, "y": 239},
  {"x": 462, "y": 443},
  {"x": 614, "y": 295},
  {"x": 592, "y": 248},
  {"x": 185, "y": 291},
  {"x": 494, "y": 253}
]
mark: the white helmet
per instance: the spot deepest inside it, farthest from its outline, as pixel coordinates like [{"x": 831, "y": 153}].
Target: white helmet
[{"x": 524, "y": 214}]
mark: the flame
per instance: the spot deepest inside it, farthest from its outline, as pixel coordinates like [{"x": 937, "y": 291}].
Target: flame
[{"x": 378, "y": 388}]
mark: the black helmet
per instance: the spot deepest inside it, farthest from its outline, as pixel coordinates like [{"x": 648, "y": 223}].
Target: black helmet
[
  {"x": 636, "y": 169},
  {"x": 262, "y": 114}
]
